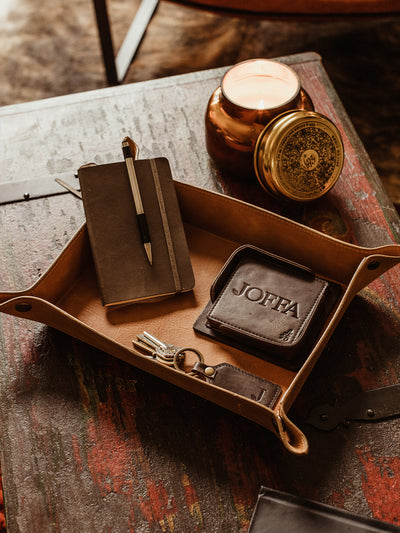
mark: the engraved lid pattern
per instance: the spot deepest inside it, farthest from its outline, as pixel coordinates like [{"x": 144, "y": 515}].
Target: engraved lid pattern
[{"x": 309, "y": 160}]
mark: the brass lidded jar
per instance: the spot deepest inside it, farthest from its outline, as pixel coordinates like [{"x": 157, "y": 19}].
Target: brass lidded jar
[{"x": 299, "y": 155}]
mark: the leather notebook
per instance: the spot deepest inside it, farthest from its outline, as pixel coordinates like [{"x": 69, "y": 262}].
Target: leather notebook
[
  {"x": 268, "y": 305},
  {"x": 279, "y": 511},
  {"x": 123, "y": 271}
]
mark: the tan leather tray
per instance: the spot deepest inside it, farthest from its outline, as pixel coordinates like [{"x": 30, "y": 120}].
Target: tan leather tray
[{"x": 67, "y": 298}]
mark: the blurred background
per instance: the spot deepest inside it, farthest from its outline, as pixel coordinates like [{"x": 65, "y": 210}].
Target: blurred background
[{"x": 50, "y": 48}]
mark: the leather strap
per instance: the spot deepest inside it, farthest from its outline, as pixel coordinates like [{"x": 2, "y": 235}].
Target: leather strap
[
  {"x": 240, "y": 382},
  {"x": 167, "y": 231}
]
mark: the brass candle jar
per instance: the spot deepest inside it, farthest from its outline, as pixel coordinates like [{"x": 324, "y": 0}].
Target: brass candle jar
[
  {"x": 251, "y": 94},
  {"x": 299, "y": 155}
]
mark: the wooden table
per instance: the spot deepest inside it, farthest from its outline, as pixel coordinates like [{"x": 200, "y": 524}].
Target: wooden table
[{"x": 91, "y": 444}]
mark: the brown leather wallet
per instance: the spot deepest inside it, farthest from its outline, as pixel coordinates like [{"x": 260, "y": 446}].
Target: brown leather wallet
[{"x": 269, "y": 305}]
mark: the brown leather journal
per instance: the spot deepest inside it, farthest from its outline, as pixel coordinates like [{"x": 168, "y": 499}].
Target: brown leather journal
[{"x": 123, "y": 270}]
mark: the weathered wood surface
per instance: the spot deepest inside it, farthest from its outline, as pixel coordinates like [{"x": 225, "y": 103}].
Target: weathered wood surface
[{"x": 91, "y": 444}]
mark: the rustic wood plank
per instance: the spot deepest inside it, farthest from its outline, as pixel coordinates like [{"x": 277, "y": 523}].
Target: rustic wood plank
[{"x": 89, "y": 443}]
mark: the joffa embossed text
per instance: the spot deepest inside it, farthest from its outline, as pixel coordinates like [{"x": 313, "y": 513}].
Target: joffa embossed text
[{"x": 268, "y": 299}]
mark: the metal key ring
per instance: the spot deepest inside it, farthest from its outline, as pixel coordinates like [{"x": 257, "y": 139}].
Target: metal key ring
[{"x": 178, "y": 357}]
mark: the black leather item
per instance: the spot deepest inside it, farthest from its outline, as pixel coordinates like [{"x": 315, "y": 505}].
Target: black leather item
[
  {"x": 240, "y": 382},
  {"x": 278, "y": 511},
  {"x": 269, "y": 304}
]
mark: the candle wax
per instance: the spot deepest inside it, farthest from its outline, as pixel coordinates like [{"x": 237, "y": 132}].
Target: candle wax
[{"x": 261, "y": 91}]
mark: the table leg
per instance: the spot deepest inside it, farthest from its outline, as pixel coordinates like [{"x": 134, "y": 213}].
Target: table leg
[
  {"x": 103, "y": 26},
  {"x": 117, "y": 67}
]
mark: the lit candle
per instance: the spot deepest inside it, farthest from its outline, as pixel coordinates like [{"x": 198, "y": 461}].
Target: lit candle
[{"x": 260, "y": 84}]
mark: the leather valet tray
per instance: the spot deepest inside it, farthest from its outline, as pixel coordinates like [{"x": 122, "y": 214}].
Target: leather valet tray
[{"x": 67, "y": 298}]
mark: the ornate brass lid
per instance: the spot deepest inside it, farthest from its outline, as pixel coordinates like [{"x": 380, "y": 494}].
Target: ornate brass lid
[{"x": 299, "y": 155}]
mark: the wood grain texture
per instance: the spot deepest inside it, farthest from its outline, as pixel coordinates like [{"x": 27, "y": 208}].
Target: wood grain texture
[{"x": 91, "y": 444}]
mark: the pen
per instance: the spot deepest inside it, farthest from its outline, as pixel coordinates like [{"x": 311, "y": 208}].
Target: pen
[{"x": 141, "y": 217}]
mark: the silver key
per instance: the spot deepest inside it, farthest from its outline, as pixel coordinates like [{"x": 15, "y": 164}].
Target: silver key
[{"x": 162, "y": 351}]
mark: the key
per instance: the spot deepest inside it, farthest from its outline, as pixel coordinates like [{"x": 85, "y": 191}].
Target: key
[
  {"x": 162, "y": 351},
  {"x": 150, "y": 343}
]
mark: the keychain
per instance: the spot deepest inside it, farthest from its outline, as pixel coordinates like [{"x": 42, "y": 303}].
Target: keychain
[{"x": 223, "y": 375}]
